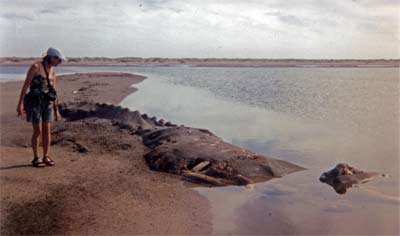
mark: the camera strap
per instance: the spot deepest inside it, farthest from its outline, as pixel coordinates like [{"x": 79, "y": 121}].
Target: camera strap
[{"x": 47, "y": 75}]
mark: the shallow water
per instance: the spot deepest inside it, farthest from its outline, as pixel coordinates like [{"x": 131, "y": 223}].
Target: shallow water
[{"x": 314, "y": 117}]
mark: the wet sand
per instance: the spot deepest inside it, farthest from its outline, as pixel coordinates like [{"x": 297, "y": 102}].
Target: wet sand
[{"x": 107, "y": 190}]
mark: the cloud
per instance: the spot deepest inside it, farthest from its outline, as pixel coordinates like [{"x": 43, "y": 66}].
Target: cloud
[
  {"x": 49, "y": 11},
  {"x": 289, "y": 19},
  {"x": 16, "y": 17},
  {"x": 177, "y": 28}
]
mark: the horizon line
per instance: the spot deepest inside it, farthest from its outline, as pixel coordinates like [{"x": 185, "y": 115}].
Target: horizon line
[{"x": 214, "y": 58}]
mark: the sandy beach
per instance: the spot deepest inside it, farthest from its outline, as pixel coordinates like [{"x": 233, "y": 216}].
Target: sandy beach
[
  {"x": 209, "y": 118},
  {"x": 102, "y": 182},
  {"x": 107, "y": 190}
]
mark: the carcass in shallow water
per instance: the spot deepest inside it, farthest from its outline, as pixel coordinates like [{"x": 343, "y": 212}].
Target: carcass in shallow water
[
  {"x": 199, "y": 155},
  {"x": 344, "y": 176},
  {"x": 196, "y": 154}
]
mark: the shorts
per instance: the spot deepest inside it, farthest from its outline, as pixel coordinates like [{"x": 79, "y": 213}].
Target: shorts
[{"x": 40, "y": 112}]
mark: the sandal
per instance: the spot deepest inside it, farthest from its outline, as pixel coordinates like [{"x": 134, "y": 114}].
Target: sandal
[
  {"x": 36, "y": 162},
  {"x": 48, "y": 161}
]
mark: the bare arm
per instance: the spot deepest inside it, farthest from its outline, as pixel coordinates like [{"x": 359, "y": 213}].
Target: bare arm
[
  {"x": 54, "y": 83},
  {"x": 29, "y": 76},
  {"x": 55, "y": 104},
  {"x": 53, "y": 75}
]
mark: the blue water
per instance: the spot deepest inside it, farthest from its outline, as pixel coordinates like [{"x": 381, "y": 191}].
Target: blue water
[{"x": 314, "y": 117}]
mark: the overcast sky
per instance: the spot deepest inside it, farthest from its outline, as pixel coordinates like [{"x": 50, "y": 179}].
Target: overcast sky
[{"x": 172, "y": 28}]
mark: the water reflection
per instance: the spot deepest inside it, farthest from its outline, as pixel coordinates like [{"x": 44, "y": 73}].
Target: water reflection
[
  {"x": 339, "y": 187},
  {"x": 297, "y": 203}
]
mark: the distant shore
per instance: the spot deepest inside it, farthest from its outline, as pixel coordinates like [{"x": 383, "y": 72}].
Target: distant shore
[{"x": 208, "y": 62}]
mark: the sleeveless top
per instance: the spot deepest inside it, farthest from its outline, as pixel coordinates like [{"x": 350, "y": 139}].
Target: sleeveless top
[{"x": 39, "y": 82}]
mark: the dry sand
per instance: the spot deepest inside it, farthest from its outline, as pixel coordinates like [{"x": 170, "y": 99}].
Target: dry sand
[{"x": 108, "y": 190}]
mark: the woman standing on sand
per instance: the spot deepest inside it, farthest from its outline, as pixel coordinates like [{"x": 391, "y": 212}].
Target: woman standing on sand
[{"x": 40, "y": 103}]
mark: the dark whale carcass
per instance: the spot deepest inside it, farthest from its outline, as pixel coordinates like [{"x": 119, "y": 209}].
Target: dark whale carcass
[
  {"x": 195, "y": 154},
  {"x": 344, "y": 176},
  {"x": 199, "y": 155}
]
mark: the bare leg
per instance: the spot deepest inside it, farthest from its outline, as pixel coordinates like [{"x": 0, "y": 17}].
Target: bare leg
[
  {"x": 37, "y": 130},
  {"x": 46, "y": 138}
]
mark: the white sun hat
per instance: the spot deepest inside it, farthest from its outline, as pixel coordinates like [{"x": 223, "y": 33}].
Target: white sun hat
[{"x": 55, "y": 52}]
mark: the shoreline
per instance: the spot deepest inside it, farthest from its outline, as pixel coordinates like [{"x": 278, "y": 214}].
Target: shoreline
[
  {"x": 213, "y": 62},
  {"x": 108, "y": 189}
]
